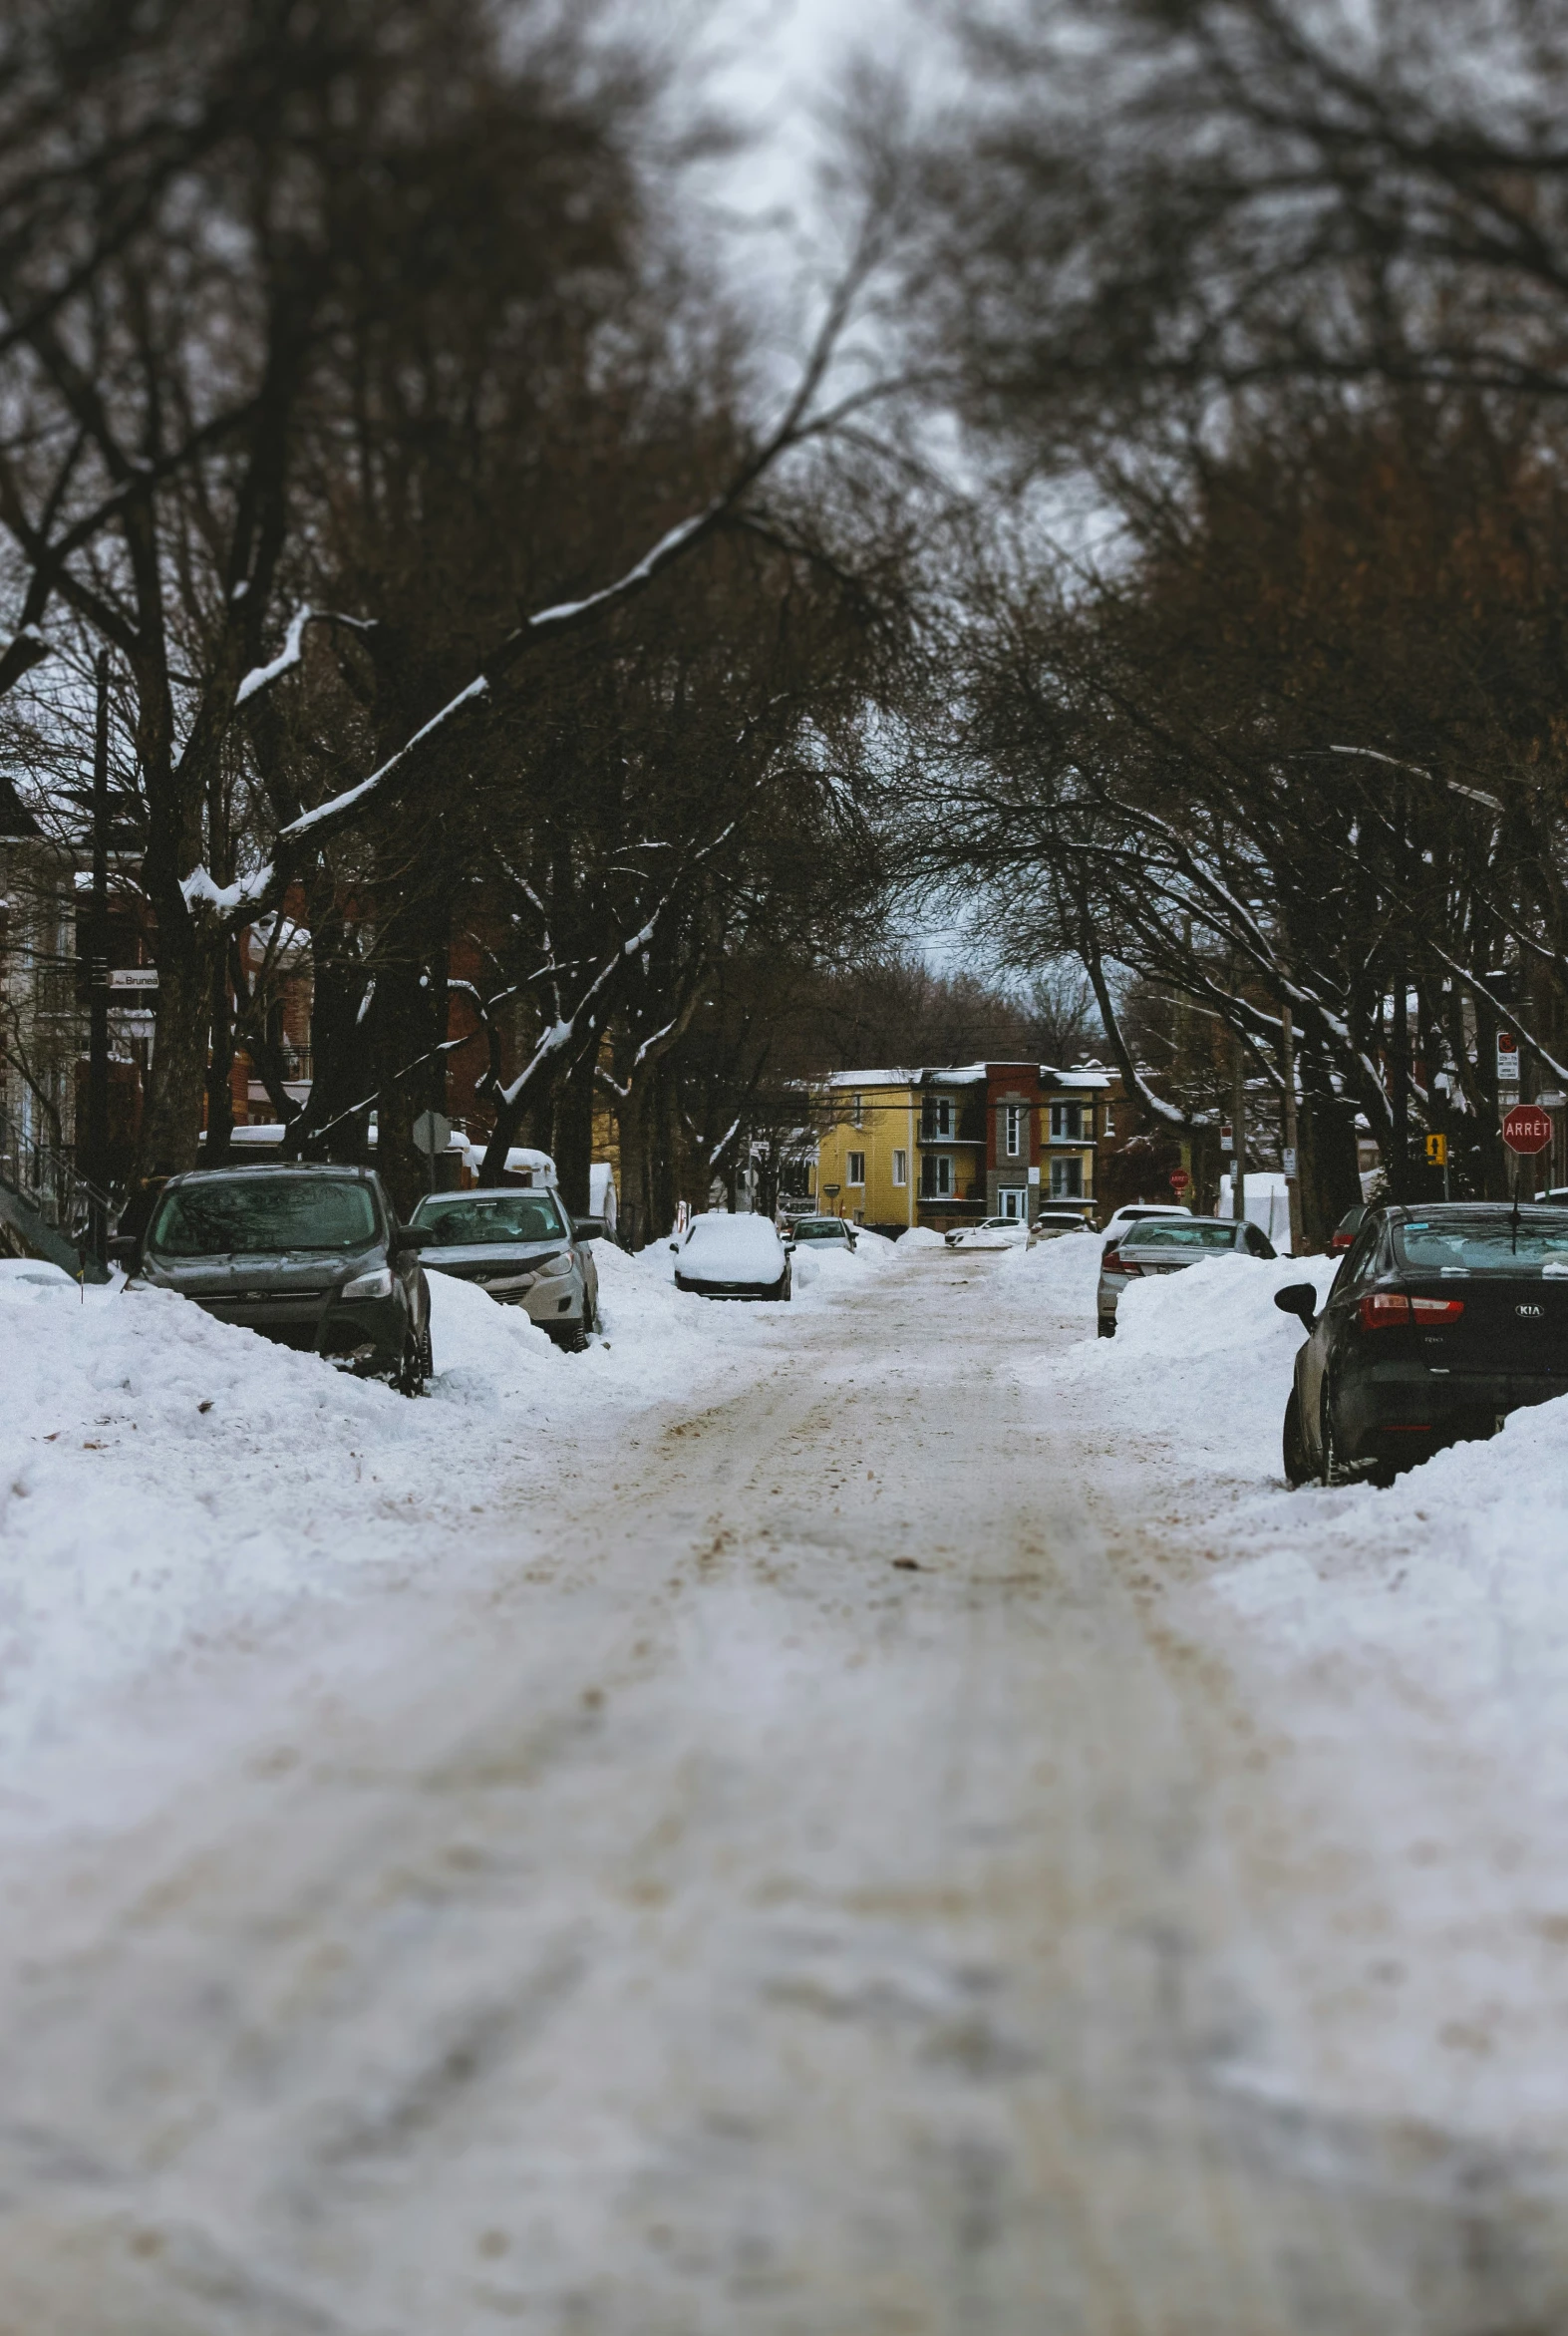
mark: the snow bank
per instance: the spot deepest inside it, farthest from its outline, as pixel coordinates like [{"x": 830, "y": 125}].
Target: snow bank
[
  {"x": 1410, "y": 1646},
  {"x": 920, "y": 1236},
  {"x": 165, "y": 1477}
]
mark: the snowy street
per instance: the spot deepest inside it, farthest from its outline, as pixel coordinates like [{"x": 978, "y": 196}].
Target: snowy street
[{"x": 834, "y": 1853}]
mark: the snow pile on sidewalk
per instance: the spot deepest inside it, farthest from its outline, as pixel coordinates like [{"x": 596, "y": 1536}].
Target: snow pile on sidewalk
[
  {"x": 164, "y": 1477},
  {"x": 1402, "y": 1654}
]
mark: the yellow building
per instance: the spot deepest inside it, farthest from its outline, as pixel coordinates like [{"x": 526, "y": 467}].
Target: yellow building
[{"x": 949, "y": 1146}]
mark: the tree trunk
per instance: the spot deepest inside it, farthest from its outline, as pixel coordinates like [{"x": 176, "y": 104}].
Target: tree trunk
[
  {"x": 573, "y": 1145},
  {"x": 220, "y": 1065},
  {"x": 171, "y": 1114},
  {"x": 1330, "y": 1178}
]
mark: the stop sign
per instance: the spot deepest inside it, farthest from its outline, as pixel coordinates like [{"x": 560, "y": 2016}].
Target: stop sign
[
  {"x": 1526, "y": 1128},
  {"x": 1179, "y": 1179}
]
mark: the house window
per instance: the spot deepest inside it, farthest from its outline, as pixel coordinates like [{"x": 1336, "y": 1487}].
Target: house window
[
  {"x": 936, "y": 1176},
  {"x": 900, "y": 1167},
  {"x": 937, "y": 1118},
  {"x": 1067, "y": 1180},
  {"x": 1110, "y": 1120},
  {"x": 856, "y": 1169},
  {"x": 1013, "y": 1129},
  {"x": 856, "y": 1111},
  {"x": 1067, "y": 1123}
]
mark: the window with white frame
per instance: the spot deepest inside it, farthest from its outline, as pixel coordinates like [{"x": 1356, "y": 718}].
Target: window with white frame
[
  {"x": 936, "y": 1176},
  {"x": 1067, "y": 1123},
  {"x": 1067, "y": 1180},
  {"x": 1013, "y": 1129},
  {"x": 900, "y": 1167},
  {"x": 1110, "y": 1120},
  {"x": 856, "y": 1112},
  {"x": 855, "y": 1171}
]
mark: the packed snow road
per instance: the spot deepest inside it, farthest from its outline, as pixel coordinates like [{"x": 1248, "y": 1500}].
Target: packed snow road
[{"x": 802, "y": 1874}]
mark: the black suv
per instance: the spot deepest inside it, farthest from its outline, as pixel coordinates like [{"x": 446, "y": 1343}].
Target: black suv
[
  {"x": 312, "y": 1256},
  {"x": 1441, "y": 1321}
]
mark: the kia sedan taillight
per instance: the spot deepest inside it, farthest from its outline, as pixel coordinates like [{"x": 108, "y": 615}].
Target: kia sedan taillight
[{"x": 1392, "y": 1310}]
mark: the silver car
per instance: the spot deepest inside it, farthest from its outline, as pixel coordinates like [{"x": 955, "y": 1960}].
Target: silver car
[
  {"x": 1164, "y": 1245},
  {"x": 522, "y": 1249}
]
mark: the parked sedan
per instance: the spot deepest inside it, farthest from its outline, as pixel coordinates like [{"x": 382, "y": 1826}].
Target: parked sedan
[
  {"x": 522, "y": 1249},
  {"x": 1050, "y": 1223},
  {"x": 832, "y": 1229},
  {"x": 731, "y": 1257},
  {"x": 1441, "y": 1321},
  {"x": 310, "y": 1256},
  {"x": 1162, "y": 1244},
  {"x": 991, "y": 1232},
  {"x": 1134, "y": 1212}
]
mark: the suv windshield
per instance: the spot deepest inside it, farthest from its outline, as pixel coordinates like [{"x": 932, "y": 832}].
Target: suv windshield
[
  {"x": 1485, "y": 1245},
  {"x": 1161, "y": 1233},
  {"x": 262, "y": 1215},
  {"x": 467, "y": 1221}
]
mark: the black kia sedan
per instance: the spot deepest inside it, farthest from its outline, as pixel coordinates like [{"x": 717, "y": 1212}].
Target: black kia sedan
[
  {"x": 1441, "y": 1321},
  {"x": 311, "y": 1257}
]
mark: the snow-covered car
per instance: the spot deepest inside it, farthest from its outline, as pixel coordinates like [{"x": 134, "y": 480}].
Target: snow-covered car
[
  {"x": 731, "y": 1257},
  {"x": 1159, "y": 1247},
  {"x": 522, "y": 1249},
  {"x": 36, "y": 1273},
  {"x": 1442, "y": 1318},
  {"x": 833, "y": 1231},
  {"x": 311, "y": 1257},
  {"x": 991, "y": 1232},
  {"x": 1134, "y": 1212}
]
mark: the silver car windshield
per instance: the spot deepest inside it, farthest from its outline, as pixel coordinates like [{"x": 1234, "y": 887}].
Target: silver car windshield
[
  {"x": 463, "y": 1221},
  {"x": 1156, "y": 1233},
  {"x": 262, "y": 1215}
]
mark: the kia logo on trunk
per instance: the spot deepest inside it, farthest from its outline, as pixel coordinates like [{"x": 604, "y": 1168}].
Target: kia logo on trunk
[{"x": 1530, "y": 1313}]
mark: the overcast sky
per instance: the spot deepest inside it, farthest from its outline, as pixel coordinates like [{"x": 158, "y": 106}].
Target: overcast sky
[{"x": 777, "y": 63}]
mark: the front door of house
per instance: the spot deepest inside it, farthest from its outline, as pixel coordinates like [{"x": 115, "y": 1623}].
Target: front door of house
[{"x": 1013, "y": 1203}]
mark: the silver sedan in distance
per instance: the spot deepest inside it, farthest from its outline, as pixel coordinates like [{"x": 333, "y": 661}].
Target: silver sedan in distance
[{"x": 1164, "y": 1245}]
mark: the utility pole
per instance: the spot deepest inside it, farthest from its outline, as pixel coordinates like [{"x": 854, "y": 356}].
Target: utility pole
[
  {"x": 1238, "y": 1132},
  {"x": 1292, "y": 1156},
  {"x": 96, "y": 1171},
  {"x": 1400, "y": 1099}
]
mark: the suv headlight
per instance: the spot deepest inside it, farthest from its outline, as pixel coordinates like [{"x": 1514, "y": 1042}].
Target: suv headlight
[
  {"x": 554, "y": 1268},
  {"x": 375, "y": 1284}
]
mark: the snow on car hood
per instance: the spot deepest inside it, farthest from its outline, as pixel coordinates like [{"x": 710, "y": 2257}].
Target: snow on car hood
[{"x": 732, "y": 1249}]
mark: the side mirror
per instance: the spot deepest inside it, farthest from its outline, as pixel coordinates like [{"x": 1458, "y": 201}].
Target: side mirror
[
  {"x": 1301, "y": 1299},
  {"x": 675, "y": 1248},
  {"x": 588, "y": 1228},
  {"x": 410, "y": 1236},
  {"x": 125, "y": 1249}
]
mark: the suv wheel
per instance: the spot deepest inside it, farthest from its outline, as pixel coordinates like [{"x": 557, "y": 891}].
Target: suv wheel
[
  {"x": 1298, "y": 1468},
  {"x": 413, "y": 1370}
]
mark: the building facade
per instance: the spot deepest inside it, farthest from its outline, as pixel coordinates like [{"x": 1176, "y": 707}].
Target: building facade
[{"x": 944, "y": 1147}]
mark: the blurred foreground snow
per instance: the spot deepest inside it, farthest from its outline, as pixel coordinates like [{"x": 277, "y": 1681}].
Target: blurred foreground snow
[{"x": 165, "y": 1479}]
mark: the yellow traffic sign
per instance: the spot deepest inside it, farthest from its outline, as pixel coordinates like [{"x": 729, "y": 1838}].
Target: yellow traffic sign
[{"x": 1437, "y": 1150}]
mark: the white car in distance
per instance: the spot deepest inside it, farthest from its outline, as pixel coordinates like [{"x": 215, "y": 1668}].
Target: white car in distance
[{"x": 731, "y": 1257}]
